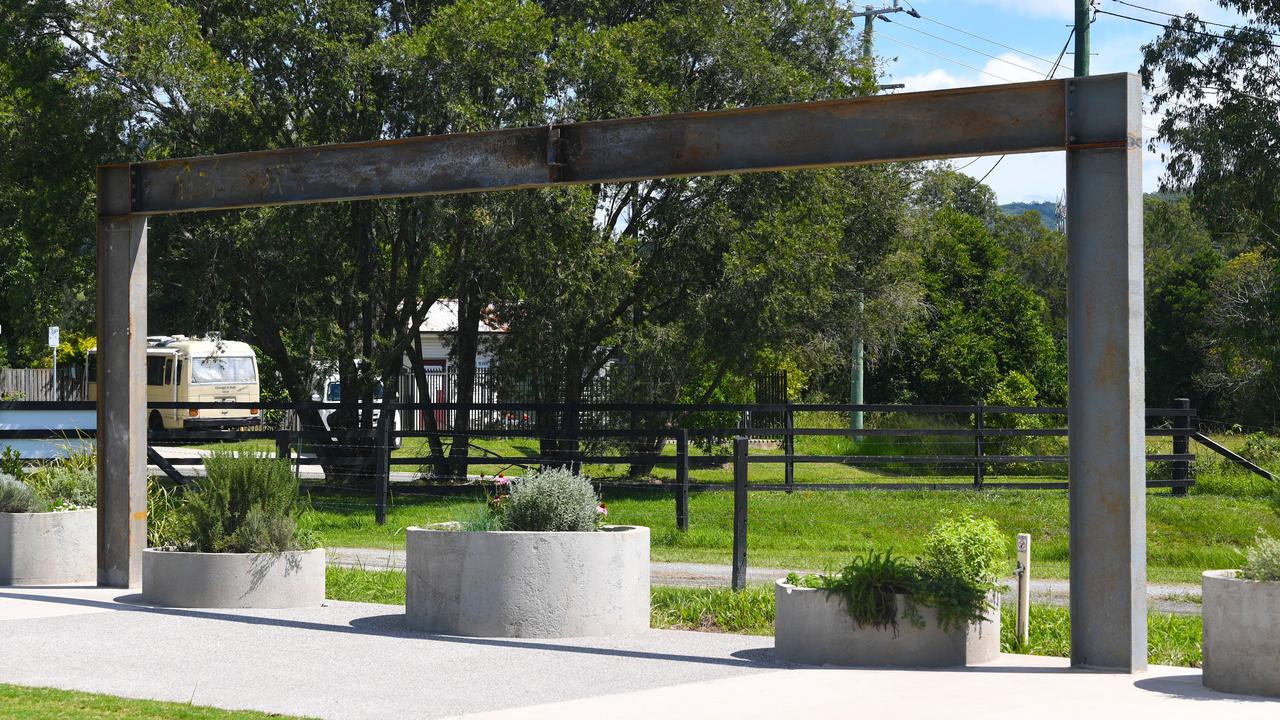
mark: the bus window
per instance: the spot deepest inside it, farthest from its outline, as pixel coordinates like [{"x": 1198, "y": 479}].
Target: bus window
[
  {"x": 335, "y": 392},
  {"x": 222, "y": 369},
  {"x": 168, "y": 371},
  {"x": 155, "y": 370},
  {"x": 180, "y": 375}
]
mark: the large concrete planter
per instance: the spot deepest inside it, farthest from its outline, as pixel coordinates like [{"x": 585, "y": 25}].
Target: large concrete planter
[
  {"x": 233, "y": 580},
  {"x": 49, "y": 548},
  {"x": 1241, "y": 634},
  {"x": 528, "y": 584},
  {"x": 812, "y": 627}
]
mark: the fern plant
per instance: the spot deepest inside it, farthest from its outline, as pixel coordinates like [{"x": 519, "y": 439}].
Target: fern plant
[{"x": 956, "y": 576}]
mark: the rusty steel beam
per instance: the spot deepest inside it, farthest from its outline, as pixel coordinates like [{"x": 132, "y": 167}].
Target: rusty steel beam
[{"x": 990, "y": 120}]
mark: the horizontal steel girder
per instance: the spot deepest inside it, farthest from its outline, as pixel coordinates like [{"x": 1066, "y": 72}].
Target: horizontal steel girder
[{"x": 989, "y": 120}]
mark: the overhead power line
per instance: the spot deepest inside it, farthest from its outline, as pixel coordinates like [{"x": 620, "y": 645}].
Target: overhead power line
[
  {"x": 997, "y": 58},
  {"x": 944, "y": 57},
  {"x": 1169, "y": 14},
  {"x": 1056, "y": 63},
  {"x": 1186, "y": 30},
  {"x": 986, "y": 39}
]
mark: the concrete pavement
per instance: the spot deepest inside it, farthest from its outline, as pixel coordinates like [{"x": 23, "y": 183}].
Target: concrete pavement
[{"x": 353, "y": 660}]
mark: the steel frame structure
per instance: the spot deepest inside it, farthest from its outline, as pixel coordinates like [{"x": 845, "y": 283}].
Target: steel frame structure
[{"x": 1096, "y": 120}]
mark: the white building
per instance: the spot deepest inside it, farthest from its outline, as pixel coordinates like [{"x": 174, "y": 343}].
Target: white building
[{"x": 437, "y": 336}]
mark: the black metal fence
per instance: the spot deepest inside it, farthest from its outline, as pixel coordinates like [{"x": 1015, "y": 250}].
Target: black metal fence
[{"x": 980, "y": 442}]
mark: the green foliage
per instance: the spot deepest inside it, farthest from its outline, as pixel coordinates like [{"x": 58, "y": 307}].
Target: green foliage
[
  {"x": 65, "y": 487},
  {"x": 167, "y": 524},
  {"x": 244, "y": 504},
  {"x": 985, "y": 323},
  {"x": 868, "y": 588},
  {"x": 956, "y": 575},
  {"x": 16, "y": 497},
  {"x": 749, "y": 611},
  {"x": 967, "y": 547},
  {"x": 11, "y": 462},
  {"x": 1263, "y": 559},
  {"x": 555, "y": 500},
  {"x": 1172, "y": 639},
  {"x": 371, "y": 585}
]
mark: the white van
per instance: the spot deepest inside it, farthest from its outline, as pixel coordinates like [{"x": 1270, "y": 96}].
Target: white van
[
  {"x": 332, "y": 389},
  {"x": 203, "y": 370}
]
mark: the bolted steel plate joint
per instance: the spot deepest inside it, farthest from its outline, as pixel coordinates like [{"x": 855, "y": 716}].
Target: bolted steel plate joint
[{"x": 555, "y": 154}]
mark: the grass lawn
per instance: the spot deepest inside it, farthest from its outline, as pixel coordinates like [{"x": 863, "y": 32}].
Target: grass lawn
[
  {"x": 1174, "y": 639},
  {"x": 822, "y": 530},
  {"x": 30, "y": 703}
]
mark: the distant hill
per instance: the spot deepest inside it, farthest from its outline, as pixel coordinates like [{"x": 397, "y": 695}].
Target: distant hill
[{"x": 1045, "y": 209}]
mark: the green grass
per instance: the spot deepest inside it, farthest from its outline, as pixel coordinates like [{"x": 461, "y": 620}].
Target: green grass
[
  {"x": 31, "y": 703},
  {"x": 1171, "y": 639},
  {"x": 822, "y": 530},
  {"x": 1174, "y": 639}
]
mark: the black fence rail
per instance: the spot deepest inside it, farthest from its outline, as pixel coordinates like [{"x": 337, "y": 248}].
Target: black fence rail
[{"x": 980, "y": 444}]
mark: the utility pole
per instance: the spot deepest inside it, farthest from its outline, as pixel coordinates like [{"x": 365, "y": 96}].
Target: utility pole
[
  {"x": 1082, "y": 36},
  {"x": 868, "y": 16}
]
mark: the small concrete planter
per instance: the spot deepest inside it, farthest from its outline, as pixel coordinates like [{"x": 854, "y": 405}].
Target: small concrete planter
[
  {"x": 1241, "y": 634},
  {"x": 528, "y": 584},
  {"x": 49, "y": 548},
  {"x": 233, "y": 580},
  {"x": 812, "y": 627}
]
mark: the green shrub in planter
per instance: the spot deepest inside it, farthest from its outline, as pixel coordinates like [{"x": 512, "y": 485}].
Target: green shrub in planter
[
  {"x": 16, "y": 497},
  {"x": 956, "y": 575},
  {"x": 244, "y": 504},
  {"x": 550, "y": 501},
  {"x": 65, "y": 486}
]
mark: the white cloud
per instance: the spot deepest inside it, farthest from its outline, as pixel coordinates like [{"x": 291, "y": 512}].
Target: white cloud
[{"x": 936, "y": 79}]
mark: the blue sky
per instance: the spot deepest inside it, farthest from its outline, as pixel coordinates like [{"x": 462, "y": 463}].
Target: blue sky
[{"x": 1036, "y": 28}]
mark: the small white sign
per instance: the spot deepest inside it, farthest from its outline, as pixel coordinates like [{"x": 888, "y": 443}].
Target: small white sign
[
  {"x": 53, "y": 336},
  {"x": 1024, "y": 541}
]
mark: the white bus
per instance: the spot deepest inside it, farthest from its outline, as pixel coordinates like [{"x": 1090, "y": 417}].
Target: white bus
[{"x": 204, "y": 370}]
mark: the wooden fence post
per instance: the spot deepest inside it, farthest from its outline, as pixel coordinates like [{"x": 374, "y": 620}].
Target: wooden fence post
[
  {"x": 682, "y": 480},
  {"x": 1181, "y": 445},
  {"x": 739, "y": 513},
  {"x": 977, "y": 447}
]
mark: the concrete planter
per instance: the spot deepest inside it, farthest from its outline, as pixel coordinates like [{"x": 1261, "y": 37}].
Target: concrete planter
[
  {"x": 1241, "y": 634},
  {"x": 528, "y": 584},
  {"x": 49, "y": 548},
  {"x": 812, "y": 627},
  {"x": 233, "y": 580}
]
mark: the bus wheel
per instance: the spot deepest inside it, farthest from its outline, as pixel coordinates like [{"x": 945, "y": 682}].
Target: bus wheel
[{"x": 155, "y": 423}]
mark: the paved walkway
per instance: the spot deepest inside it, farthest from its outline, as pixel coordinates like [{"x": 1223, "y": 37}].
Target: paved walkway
[
  {"x": 1182, "y": 599},
  {"x": 357, "y": 661}
]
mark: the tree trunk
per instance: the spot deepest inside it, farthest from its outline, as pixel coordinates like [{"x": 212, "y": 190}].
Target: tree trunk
[{"x": 464, "y": 357}]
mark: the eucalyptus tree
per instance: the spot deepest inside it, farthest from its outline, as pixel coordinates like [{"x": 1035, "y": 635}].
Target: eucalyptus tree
[{"x": 1217, "y": 90}]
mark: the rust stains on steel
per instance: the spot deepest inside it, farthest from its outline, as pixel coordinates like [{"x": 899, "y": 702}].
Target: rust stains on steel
[{"x": 1025, "y": 117}]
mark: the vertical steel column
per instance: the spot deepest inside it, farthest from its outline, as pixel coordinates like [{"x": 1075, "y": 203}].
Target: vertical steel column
[
  {"x": 122, "y": 390},
  {"x": 1105, "y": 374}
]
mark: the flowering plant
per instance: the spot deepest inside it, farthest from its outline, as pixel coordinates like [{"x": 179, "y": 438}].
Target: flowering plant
[{"x": 554, "y": 500}]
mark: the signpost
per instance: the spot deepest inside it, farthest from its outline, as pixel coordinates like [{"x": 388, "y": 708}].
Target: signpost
[{"x": 53, "y": 343}]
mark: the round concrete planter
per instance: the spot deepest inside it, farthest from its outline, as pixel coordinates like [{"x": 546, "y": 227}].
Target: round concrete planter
[
  {"x": 1241, "y": 634},
  {"x": 49, "y": 548},
  {"x": 528, "y": 584},
  {"x": 233, "y": 580},
  {"x": 811, "y": 627}
]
